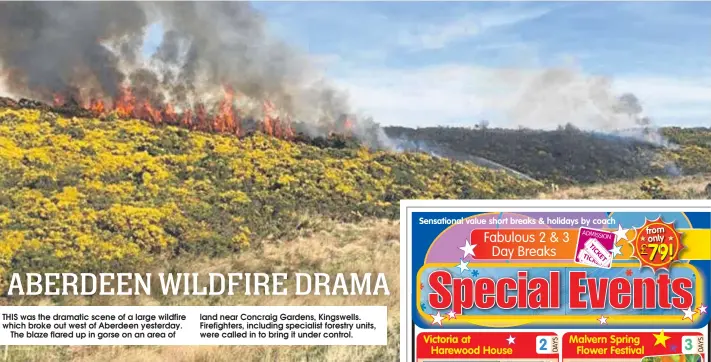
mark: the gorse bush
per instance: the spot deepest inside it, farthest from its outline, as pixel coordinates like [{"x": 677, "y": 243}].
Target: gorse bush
[
  {"x": 697, "y": 136},
  {"x": 654, "y": 188},
  {"x": 90, "y": 195}
]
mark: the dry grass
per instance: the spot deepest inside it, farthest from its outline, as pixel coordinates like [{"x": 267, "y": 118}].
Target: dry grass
[
  {"x": 372, "y": 246},
  {"x": 686, "y": 187}
]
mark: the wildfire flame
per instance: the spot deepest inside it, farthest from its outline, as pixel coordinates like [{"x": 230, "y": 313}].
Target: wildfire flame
[
  {"x": 58, "y": 100},
  {"x": 348, "y": 125},
  {"x": 272, "y": 123},
  {"x": 222, "y": 117}
]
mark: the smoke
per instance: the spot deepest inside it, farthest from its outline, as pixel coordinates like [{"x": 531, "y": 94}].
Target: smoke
[
  {"x": 566, "y": 95},
  {"x": 3, "y": 89},
  {"x": 93, "y": 50},
  {"x": 53, "y": 47}
]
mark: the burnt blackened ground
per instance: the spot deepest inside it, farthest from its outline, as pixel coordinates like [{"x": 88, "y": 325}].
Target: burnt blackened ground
[{"x": 569, "y": 155}]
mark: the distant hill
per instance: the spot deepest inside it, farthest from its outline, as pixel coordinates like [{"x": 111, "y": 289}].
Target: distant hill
[{"x": 566, "y": 155}]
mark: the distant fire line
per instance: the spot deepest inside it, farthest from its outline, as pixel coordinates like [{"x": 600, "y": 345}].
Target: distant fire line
[{"x": 224, "y": 119}]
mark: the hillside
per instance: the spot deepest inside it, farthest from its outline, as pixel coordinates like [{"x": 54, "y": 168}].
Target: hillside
[
  {"x": 89, "y": 194},
  {"x": 567, "y": 155}
]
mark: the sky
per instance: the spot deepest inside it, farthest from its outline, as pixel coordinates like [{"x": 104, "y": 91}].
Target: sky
[{"x": 535, "y": 64}]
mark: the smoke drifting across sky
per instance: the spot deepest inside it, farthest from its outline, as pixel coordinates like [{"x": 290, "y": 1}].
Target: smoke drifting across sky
[
  {"x": 85, "y": 50},
  {"x": 92, "y": 49},
  {"x": 567, "y": 94},
  {"x": 424, "y": 64}
]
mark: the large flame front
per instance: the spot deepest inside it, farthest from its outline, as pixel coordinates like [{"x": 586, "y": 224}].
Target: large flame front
[
  {"x": 222, "y": 117},
  {"x": 91, "y": 58}
]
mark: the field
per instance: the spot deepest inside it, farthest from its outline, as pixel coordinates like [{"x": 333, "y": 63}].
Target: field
[
  {"x": 370, "y": 246},
  {"x": 89, "y": 194}
]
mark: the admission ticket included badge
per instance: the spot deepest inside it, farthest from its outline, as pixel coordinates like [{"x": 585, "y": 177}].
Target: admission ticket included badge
[
  {"x": 594, "y": 247},
  {"x": 494, "y": 280}
]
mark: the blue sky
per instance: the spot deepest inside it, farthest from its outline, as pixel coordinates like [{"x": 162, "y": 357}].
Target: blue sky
[{"x": 441, "y": 63}]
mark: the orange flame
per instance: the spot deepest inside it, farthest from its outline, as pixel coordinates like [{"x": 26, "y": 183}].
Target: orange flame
[
  {"x": 289, "y": 131},
  {"x": 224, "y": 117},
  {"x": 151, "y": 113},
  {"x": 201, "y": 115},
  {"x": 125, "y": 104},
  {"x": 97, "y": 106},
  {"x": 268, "y": 122},
  {"x": 187, "y": 120},
  {"x": 169, "y": 113},
  {"x": 348, "y": 125},
  {"x": 58, "y": 100}
]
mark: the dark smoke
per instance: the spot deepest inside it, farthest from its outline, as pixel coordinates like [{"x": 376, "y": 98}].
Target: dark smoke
[
  {"x": 643, "y": 128},
  {"x": 54, "y": 47},
  {"x": 93, "y": 50}
]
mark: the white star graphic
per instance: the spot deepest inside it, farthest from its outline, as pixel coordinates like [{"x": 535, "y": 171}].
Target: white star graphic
[
  {"x": 511, "y": 339},
  {"x": 602, "y": 320},
  {"x": 616, "y": 251},
  {"x": 689, "y": 314},
  {"x": 463, "y": 265},
  {"x": 621, "y": 233},
  {"x": 437, "y": 319},
  {"x": 702, "y": 309},
  {"x": 468, "y": 249},
  {"x": 452, "y": 315}
]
